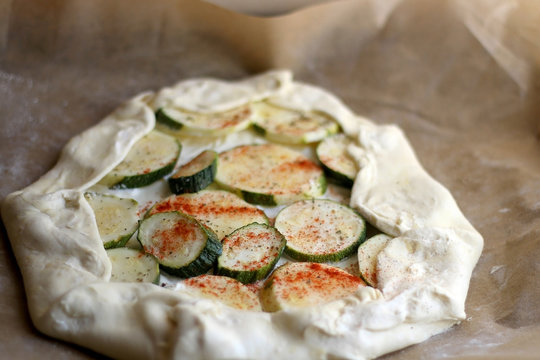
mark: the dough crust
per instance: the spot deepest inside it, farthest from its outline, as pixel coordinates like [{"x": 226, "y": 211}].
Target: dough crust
[{"x": 423, "y": 272}]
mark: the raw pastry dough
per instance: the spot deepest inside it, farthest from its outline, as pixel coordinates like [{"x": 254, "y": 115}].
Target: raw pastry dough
[{"x": 423, "y": 272}]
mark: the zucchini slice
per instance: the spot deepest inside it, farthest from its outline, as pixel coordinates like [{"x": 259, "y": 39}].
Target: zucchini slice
[
  {"x": 219, "y": 210},
  {"x": 182, "y": 246},
  {"x": 130, "y": 265},
  {"x": 250, "y": 253},
  {"x": 269, "y": 174},
  {"x": 182, "y": 122},
  {"x": 283, "y": 125},
  {"x": 150, "y": 159},
  {"x": 303, "y": 284},
  {"x": 225, "y": 290},
  {"x": 337, "y": 164},
  {"x": 196, "y": 174},
  {"x": 117, "y": 218},
  {"x": 367, "y": 257},
  {"x": 320, "y": 230}
]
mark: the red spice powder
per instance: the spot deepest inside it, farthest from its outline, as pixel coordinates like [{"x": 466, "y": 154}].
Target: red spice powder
[
  {"x": 145, "y": 208},
  {"x": 325, "y": 280},
  {"x": 169, "y": 241},
  {"x": 258, "y": 243},
  {"x": 198, "y": 206},
  {"x": 256, "y": 286},
  {"x": 236, "y": 118},
  {"x": 300, "y": 164},
  {"x": 229, "y": 291}
]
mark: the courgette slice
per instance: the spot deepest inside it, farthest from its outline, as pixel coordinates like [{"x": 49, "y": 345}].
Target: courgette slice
[
  {"x": 117, "y": 218},
  {"x": 182, "y": 246},
  {"x": 130, "y": 265},
  {"x": 225, "y": 290},
  {"x": 320, "y": 230},
  {"x": 337, "y": 164},
  {"x": 288, "y": 126},
  {"x": 303, "y": 284},
  {"x": 150, "y": 159},
  {"x": 250, "y": 253},
  {"x": 219, "y": 210},
  {"x": 269, "y": 174},
  {"x": 182, "y": 122},
  {"x": 367, "y": 257},
  {"x": 196, "y": 175}
]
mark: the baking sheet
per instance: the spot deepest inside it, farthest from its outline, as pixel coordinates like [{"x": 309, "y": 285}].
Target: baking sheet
[{"x": 460, "y": 77}]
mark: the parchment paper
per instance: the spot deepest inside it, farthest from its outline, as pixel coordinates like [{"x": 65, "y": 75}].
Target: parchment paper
[{"x": 462, "y": 78}]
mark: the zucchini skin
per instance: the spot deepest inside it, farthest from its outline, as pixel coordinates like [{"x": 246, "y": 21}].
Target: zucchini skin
[
  {"x": 250, "y": 276},
  {"x": 196, "y": 182},
  {"x": 141, "y": 180},
  {"x": 336, "y": 177},
  {"x": 167, "y": 122},
  {"x": 262, "y": 174},
  {"x": 259, "y": 129},
  {"x": 135, "y": 181},
  {"x": 205, "y": 259},
  {"x": 273, "y": 200},
  {"x": 322, "y": 258},
  {"x": 164, "y": 119},
  {"x": 330, "y": 256},
  {"x": 258, "y": 199},
  {"x": 120, "y": 242},
  {"x": 203, "y": 263},
  {"x": 367, "y": 255},
  {"x": 288, "y": 126}
]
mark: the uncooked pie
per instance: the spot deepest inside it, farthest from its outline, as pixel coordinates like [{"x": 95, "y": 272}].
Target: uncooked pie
[{"x": 216, "y": 219}]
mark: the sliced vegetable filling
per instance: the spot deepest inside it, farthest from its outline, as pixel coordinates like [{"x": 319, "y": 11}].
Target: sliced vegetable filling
[
  {"x": 269, "y": 174},
  {"x": 337, "y": 163},
  {"x": 184, "y": 122},
  {"x": 291, "y": 126},
  {"x": 182, "y": 246},
  {"x": 367, "y": 257},
  {"x": 302, "y": 284},
  {"x": 250, "y": 253},
  {"x": 150, "y": 159},
  {"x": 196, "y": 174},
  {"x": 223, "y": 289},
  {"x": 117, "y": 218},
  {"x": 320, "y": 230},
  {"x": 219, "y": 210},
  {"x": 130, "y": 265}
]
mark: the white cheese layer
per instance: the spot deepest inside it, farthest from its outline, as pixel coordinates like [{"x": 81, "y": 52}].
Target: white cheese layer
[{"x": 424, "y": 271}]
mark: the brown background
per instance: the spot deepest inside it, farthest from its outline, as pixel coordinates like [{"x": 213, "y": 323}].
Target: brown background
[{"x": 461, "y": 80}]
